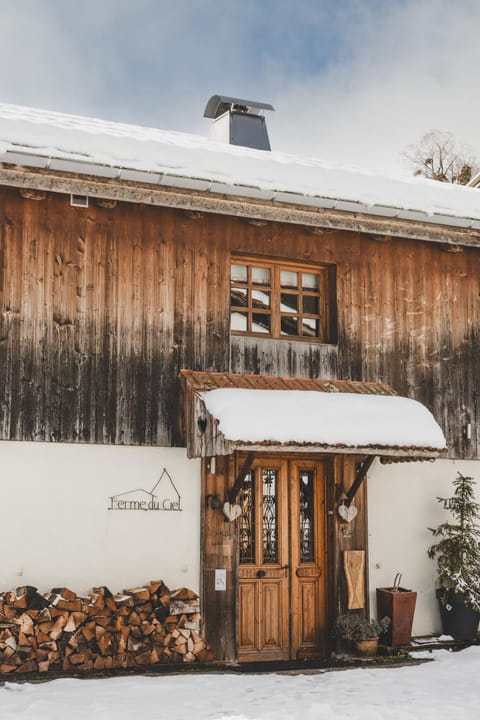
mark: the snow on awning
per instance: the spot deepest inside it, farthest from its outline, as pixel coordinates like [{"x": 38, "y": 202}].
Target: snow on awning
[
  {"x": 313, "y": 418},
  {"x": 237, "y": 412}
]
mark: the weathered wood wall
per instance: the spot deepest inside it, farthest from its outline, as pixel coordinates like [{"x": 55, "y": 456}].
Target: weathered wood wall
[
  {"x": 408, "y": 315},
  {"x": 345, "y": 536},
  {"x": 101, "y": 308},
  {"x": 219, "y": 541}
]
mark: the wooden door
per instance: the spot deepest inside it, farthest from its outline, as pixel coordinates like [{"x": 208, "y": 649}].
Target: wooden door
[
  {"x": 307, "y": 559},
  {"x": 281, "y": 593},
  {"x": 263, "y": 586}
]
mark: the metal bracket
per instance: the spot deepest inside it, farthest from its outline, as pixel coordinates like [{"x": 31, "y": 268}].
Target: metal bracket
[
  {"x": 244, "y": 470},
  {"x": 362, "y": 469}
]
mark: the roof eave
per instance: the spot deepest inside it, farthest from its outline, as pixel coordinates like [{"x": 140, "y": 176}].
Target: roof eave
[
  {"x": 380, "y": 450},
  {"x": 106, "y": 181}
]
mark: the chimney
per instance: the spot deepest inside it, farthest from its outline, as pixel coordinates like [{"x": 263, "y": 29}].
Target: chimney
[{"x": 238, "y": 122}]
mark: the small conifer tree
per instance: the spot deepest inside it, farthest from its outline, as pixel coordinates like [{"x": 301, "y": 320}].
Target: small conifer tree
[{"x": 458, "y": 548}]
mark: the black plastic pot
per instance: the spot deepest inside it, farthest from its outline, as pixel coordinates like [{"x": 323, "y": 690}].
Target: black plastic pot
[{"x": 458, "y": 620}]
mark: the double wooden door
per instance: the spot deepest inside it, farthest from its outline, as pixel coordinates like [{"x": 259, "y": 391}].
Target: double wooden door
[{"x": 281, "y": 612}]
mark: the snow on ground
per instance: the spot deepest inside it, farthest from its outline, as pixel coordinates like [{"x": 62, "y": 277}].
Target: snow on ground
[{"x": 447, "y": 689}]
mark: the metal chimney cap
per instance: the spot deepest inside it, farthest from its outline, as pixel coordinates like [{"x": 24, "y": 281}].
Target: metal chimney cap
[{"x": 218, "y": 104}]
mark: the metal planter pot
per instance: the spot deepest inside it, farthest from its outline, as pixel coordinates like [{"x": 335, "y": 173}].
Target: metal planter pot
[{"x": 398, "y": 604}]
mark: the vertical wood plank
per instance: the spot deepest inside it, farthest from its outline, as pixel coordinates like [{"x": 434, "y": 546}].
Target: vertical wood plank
[{"x": 354, "y": 568}]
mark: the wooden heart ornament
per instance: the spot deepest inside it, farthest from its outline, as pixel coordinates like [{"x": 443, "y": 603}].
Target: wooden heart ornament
[
  {"x": 347, "y": 513},
  {"x": 231, "y": 512}
]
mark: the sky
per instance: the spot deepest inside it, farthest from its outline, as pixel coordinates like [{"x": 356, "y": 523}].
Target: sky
[{"x": 352, "y": 81}]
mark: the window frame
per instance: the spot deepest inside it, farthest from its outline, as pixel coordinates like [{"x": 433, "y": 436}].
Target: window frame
[{"x": 325, "y": 295}]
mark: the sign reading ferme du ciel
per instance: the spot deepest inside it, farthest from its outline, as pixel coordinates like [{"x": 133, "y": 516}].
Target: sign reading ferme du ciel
[{"x": 164, "y": 496}]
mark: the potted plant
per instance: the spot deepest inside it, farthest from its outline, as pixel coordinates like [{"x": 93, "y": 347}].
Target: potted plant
[
  {"x": 458, "y": 561},
  {"x": 363, "y": 633}
]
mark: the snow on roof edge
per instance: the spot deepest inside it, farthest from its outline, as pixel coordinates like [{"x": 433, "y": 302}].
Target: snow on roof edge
[{"x": 286, "y": 178}]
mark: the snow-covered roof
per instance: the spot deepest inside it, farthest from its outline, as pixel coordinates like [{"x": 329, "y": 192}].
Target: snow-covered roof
[
  {"x": 305, "y": 417},
  {"x": 42, "y": 139},
  {"x": 281, "y": 413}
]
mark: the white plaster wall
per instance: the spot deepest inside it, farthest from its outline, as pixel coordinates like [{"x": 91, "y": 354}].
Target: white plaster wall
[
  {"x": 401, "y": 507},
  {"x": 56, "y": 530}
]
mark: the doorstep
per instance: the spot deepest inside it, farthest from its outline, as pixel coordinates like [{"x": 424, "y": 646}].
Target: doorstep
[{"x": 439, "y": 642}]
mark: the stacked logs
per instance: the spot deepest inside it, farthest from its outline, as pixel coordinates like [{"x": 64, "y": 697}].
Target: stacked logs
[{"x": 61, "y": 631}]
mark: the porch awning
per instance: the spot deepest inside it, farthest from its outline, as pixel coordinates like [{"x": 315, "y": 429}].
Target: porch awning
[{"x": 244, "y": 412}]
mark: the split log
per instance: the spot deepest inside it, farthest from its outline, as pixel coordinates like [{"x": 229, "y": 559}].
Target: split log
[
  {"x": 61, "y": 631},
  {"x": 139, "y": 593}
]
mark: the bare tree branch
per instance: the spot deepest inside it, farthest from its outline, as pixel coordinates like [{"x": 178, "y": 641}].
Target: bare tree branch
[{"x": 438, "y": 156}]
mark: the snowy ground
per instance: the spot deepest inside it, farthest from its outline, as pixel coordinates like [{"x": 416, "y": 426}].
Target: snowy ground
[{"x": 447, "y": 688}]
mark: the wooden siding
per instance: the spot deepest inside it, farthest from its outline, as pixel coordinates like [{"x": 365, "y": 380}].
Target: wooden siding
[
  {"x": 285, "y": 357},
  {"x": 345, "y": 536},
  {"x": 101, "y": 308}
]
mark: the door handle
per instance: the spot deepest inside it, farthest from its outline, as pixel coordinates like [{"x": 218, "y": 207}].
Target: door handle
[
  {"x": 285, "y": 568},
  {"x": 261, "y": 573}
]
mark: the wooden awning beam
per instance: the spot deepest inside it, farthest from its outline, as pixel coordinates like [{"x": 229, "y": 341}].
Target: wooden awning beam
[
  {"x": 360, "y": 474},
  {"x": 243, "y": 472}
]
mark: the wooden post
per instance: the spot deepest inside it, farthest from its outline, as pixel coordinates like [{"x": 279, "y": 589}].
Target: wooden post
[
  {"x": 218, "y": 553},
  {"x": 348, "y": 536}
]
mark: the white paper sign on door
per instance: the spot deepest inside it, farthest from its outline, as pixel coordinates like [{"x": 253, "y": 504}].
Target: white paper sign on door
[{"x": 220, "y": 579}]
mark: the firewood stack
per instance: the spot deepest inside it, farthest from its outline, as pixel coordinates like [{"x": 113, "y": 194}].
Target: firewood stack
[{"x": 61, "y": 631}]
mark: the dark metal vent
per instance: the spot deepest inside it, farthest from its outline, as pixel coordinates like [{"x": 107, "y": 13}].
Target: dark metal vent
[{"x": 238, "y": 122}]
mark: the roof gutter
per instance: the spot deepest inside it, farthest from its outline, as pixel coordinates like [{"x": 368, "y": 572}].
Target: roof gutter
[{"x": 23, "y": 160}]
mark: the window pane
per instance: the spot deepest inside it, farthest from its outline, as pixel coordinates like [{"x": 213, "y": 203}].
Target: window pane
[
  {"x": 289, "y": 302},
  {"x": 310, "y": 281},
  {"x": 260, "y": 299},
  {"x": 288, "y": 279},
  {"x": 306, "y": 516},
  {"x": 247, "y": 519},
  {"x": 310, "y": 327},
  {"x": 239, "y": 297},
  {"x": 261, "y": 323},
  {"x": 311, "y": 305},
  {"x": 270, "y": 535},
  {"x": 289, "y": 325},
  {"x": 238, "y": 273},
  {"x": 238, "y": 321},
  {"x": 260, "y": 276}
]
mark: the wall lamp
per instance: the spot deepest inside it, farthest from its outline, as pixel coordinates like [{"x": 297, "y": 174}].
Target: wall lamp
[{"x": 213, "y": 501}]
